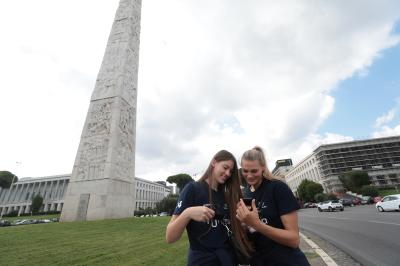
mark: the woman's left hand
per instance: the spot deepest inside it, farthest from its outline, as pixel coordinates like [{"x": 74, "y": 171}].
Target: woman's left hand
[{"x": 249, "y": 217}]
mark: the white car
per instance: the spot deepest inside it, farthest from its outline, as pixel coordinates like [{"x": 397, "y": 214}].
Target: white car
[
  {"x": 330, "y": 205},
  {"x": 389, "y": 203}
]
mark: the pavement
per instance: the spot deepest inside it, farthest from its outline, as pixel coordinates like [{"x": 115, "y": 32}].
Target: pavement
[{"x": 315, "y": 255}]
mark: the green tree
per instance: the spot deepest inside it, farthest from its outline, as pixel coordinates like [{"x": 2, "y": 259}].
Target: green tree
[
  {"x": 302, "y": 190},
  {"x": 369, "y": 191},
  {"x": 308, "y": 189},
  {"x": 354, "y": 180},
  {"x": 331, "y": 196},
  {"x": 37, "y": 202},
  {"x": 167, "y": 204},
  {"x": 180, "y": 180},
  {"x": 312, "y": 189},
  {"x": 6, "y": 178},
  {"x": 320, "y": 197}
]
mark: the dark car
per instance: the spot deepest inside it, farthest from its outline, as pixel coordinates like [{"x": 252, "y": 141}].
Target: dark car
[
  {"x": 356, "y": 201},
  {"x": 367, "y": 200},
  {"x": 4, "y": 223},
  {"x": 346, "y": 202}
]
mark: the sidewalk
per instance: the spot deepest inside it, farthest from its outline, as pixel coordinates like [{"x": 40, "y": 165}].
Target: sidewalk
[{"x": 315, "y": 255}]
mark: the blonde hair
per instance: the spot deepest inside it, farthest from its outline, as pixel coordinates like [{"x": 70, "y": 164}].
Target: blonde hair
[{"x": 257, "y": 154}]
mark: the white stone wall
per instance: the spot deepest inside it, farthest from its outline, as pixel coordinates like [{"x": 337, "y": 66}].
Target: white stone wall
[{"x": 53, "y": 189}]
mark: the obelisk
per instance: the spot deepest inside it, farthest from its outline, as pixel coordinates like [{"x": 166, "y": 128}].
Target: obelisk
[{"x": 102, "y": 181}]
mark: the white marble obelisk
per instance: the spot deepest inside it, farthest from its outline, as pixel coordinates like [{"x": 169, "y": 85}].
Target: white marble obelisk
[{"x": 102, "y": 181}]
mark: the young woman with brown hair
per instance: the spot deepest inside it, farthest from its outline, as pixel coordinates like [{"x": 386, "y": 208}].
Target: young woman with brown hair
[{"x": 205, "y": 208}]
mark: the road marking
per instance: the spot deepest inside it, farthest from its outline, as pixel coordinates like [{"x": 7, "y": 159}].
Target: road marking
[
  {"x": 325, "y": 257},
  {"x": 370, "y": 221}
]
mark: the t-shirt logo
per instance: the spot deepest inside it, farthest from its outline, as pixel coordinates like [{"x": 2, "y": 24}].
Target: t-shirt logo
[{"x": 179, "y": 204}]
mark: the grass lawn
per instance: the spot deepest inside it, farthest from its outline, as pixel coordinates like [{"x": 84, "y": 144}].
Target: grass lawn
[{"x": 131, "y": 241}]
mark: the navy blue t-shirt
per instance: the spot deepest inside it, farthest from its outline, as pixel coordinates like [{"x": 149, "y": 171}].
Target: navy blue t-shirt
[
  {"x": 273, "y": 199},
  {"x": 204, "y": 236}
]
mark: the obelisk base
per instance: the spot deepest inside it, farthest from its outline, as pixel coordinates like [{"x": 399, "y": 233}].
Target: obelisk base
[{"x": 98, "y": 200}]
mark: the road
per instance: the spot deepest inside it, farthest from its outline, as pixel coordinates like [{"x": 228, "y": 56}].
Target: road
[{"x": 370, "y": 237}]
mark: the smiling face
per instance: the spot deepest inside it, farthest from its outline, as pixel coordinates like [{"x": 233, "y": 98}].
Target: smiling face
[
  {"x": 222, "y": 170},
  {"x": 252, "y": 171}
]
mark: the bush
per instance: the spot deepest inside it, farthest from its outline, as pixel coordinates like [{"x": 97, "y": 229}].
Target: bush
[
  {"x": 369, "y": 191},
  {"x": 11, "y": 214}
]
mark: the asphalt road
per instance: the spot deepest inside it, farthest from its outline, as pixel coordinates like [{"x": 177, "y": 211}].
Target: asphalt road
[{"x": 370, "y": 237}]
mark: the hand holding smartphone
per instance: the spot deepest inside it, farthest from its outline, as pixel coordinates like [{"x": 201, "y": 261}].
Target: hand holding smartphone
[{"x": 247, "y": 202}]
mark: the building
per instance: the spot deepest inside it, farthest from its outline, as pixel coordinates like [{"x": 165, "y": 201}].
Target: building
[
  {"x": 379, "y": 157},
  {"x": 282, "y": 167},
  {"x": 52, "y": 188},
  {"x": 305, "y": 169}
]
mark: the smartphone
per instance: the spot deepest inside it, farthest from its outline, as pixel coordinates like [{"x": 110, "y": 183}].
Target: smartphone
[{"x": 247, "y": 201}]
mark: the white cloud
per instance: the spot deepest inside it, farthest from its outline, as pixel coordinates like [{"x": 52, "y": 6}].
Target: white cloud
[
  {"x": 386, "y": 118},
  {"x": 212, "y": 75},
  {"x": 382, "y": 127}
]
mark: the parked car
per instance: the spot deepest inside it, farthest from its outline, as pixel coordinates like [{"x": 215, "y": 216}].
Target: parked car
[
  {"x": 4, "y": 223},
  {"x": 356, "y": 201},
  {"x": 310, "y": 205},
  {"x": 377, "y": 199},
  {"x": 389, "y": 203},
  {"x": 330, "y": 205},
  {"x": 346, "y": 202},
  {"x": 366, "y": 200}
]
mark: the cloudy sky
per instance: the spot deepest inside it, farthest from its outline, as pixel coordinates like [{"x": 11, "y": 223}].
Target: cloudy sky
[{"x": 225, "y": 74}]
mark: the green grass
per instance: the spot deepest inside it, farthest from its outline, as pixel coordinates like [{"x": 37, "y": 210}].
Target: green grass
[
  {"x": 34, "y": 217},
  {"x": 132, "y": 241}
]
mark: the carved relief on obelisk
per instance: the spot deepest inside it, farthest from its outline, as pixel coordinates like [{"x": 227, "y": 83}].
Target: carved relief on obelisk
[{"x": 102, "y": 181}]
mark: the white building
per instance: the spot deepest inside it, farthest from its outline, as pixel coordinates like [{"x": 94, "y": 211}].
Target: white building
[
  {"x": 52, "y": 188},
  {"x": 379, "y": 157},
  {"x": 305, "y": 169}
]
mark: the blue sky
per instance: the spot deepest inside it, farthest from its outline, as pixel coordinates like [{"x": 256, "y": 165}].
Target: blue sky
[{"x": 360, "y": 99}]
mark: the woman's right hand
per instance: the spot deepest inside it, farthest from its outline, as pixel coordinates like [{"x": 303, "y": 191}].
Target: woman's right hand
[{"x": 199, "y": 213}]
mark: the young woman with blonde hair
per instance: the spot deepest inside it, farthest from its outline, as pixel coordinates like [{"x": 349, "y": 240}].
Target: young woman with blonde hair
[
  {"x": 207, "y": 208},
  {"x": 272, "y": 219}
]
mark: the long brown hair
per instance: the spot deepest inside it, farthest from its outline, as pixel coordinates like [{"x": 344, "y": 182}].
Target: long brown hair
[{"x": 232, "y": 193}]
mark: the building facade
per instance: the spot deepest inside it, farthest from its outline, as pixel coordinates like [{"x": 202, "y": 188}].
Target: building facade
[
  {"x": 52, "y": 188},
  {"x": 305, "y": 169},
  {"x": 379, "y": 157},
  {"x": 282, "y": 167}
]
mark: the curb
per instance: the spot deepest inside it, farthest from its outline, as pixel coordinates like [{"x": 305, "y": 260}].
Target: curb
[{"x": 325, "y": 257}]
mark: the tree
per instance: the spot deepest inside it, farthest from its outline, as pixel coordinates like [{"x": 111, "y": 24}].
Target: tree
[
  {"x": 369, "y": 191},
  {"x": 354, "y": 180},
  {"x": 331, "y": 196},
  {"x": 302, "y": 190},
  {"x": 180, "y": 180},
  {"x": 308, "y": 189},
  {"x": 320, "y": 197},
  {"x": 167, "y": 204},
  {"x": 37, "y": 202},
  {"x": 312, "y": 189},
  {"x": 6, "y": 178}
]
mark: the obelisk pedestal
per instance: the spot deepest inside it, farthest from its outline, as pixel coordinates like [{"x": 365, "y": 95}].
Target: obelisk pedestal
[{"x": 102, "y": 181}]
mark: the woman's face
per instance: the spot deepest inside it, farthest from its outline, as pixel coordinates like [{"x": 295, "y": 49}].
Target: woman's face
[
  {"x": 252, "y": 171},
  {"x": 222, "y": 171}
]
